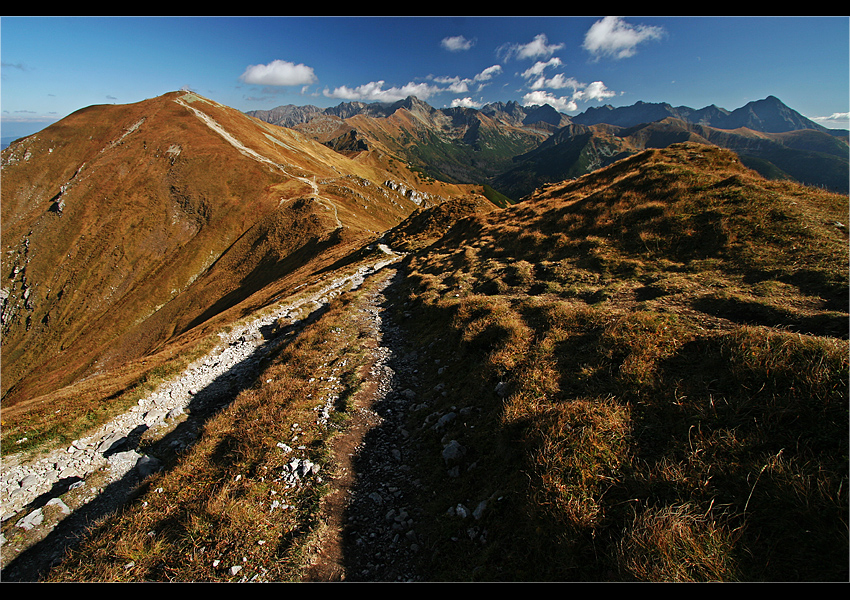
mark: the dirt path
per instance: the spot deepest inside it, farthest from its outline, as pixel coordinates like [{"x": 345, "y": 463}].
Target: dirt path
[
  {"x": 212, "y": 124},
  {"x": 371, "y": 527},
  {"x": 58, "y": 516}
]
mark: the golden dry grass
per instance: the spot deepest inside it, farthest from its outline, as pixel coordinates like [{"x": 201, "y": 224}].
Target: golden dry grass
[
  {"x": 673, "y": 335},
  {"x": 652, "y": 378},
  {"x": 225, "y": 503}
]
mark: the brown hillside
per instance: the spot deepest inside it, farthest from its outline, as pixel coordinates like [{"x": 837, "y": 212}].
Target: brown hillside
[
  {"x": 425, "y": 226},
  {"x": 124, "y": 226},
  {"x": 691, "y": 205}
]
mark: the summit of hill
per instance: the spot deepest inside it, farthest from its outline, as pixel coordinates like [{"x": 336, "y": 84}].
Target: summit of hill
[{"x": 125, "y": 227}]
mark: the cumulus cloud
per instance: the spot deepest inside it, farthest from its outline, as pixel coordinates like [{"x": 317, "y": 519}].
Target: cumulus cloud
[
  {"x": 582, "y": 92},
  {"x": 539, "y": 98},
  {"x": 614, "y": 37},
  {"x": 539, "y": 47},
  {"x": 488, "y": 73},
  {"x": 540, "y": 66},
  {"x": 465, "y": 103},
  {"x": 457, "y": 85},
  {"x": 558, "y": 82},
  {"x": 374, "y": 92},
  {"x": 457, "y": 43},
  {"x": 278, "y": 73},
  {"x": 594, "y": 91}
]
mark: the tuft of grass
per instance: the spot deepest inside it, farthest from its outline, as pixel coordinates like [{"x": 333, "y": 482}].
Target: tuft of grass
[{"x": 677, "y": 543}]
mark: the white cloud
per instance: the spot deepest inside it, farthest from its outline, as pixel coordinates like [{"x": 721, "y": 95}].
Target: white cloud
[
  {"x": 539, "y": 47},
  {"x": 539, "y": 67},
  {"x": 488, "y": 73},
  {"x": 834, "y": 121},
  {"x": 614, "y": 37},
  {"x": 485, "y": 75},
  {"x": 278, "y": 72},
  {"x": 538, "y": 98},
  {"x": 594, "y": 91},
  {"x": 456, "y": 85},
  {"x": 582, "y": 92},
  {"x": 374, "y": 92},
  {"x": 459, "y": 87},
  {"x": 465, "y": 103},
  {"x": 457, "y": 43},
  {"x": 558, "y": 82}
]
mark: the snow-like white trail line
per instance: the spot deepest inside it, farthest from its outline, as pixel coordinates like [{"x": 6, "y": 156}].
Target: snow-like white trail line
[
  {"x": 212, "y": 124},
  {"x": 21, "y": 482}
]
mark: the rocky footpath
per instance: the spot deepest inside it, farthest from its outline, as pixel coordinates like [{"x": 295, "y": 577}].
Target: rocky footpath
[
  {"x": 95, "y": 474},
  {"x": 371, "y": 532},
  {"x": 376, "y": 528},
  {"x": 405, "y": 426}
]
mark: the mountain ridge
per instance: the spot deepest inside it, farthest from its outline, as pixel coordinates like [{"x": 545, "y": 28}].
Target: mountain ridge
[
  {"x": 456, "y": 154},
  {"x": 769, "y": 114},
  {"x": 198, "y": 206}
]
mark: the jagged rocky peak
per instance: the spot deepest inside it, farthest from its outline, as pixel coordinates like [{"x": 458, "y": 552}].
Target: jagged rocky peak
[
  {"x": 515, "y": 114},
  {"x": 545, "y": 114},
  {"x": 413, "y": 103},
  {"x": 288, "y": 115}
]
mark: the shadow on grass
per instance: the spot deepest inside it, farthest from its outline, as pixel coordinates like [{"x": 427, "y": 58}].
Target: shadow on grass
[
  {"x": 756, "y": 313},
  {"x": 768, "y": 441}
]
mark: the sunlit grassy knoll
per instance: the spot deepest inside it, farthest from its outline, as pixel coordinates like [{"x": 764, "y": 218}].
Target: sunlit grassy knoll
[{"x": 649, "y": 425}]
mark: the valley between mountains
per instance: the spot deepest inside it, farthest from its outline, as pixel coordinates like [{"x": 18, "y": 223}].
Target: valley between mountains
[{"x": 401, "y": 344}]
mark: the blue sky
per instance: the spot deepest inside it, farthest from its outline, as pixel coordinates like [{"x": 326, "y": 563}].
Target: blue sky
[{"x": 52, "y": 66}]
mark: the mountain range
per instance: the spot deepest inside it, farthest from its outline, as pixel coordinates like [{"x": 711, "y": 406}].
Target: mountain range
[
  {"x": 513, "y": 148},
  {"x": 769, "y": 115}
]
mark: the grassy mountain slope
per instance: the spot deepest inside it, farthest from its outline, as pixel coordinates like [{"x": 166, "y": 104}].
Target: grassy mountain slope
[
  {"x": 661, "y": 361},
  {"x": 125, "y": 227},
  {"x": 646, "y": 368}
]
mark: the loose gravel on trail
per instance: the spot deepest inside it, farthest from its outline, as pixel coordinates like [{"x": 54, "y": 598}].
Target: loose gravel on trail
[
  {"x": 47, "y": 504},
  {"x": 372, "y": 523}
]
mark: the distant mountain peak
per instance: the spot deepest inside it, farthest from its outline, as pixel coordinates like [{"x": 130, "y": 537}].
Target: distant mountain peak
[{"x": 768, "y": 115}]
